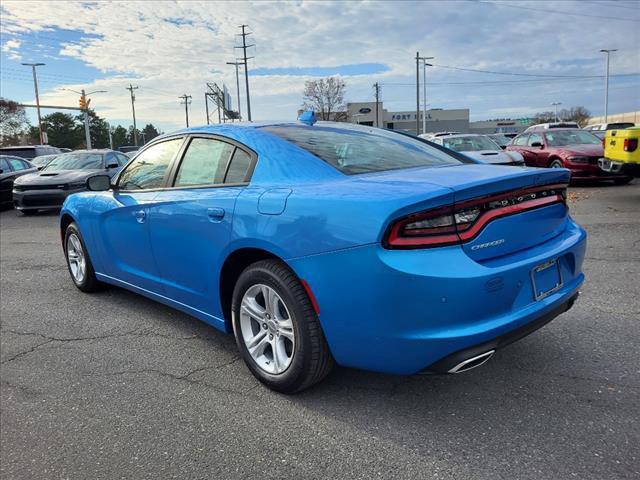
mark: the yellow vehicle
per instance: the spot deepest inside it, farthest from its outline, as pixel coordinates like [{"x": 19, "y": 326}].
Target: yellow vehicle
[{"x": 621, "y": 152}]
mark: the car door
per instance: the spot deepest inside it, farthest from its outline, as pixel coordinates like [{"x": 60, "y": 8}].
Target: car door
[
  {"x": 190, "y": 223},
  {"x": 6, "y": 181},
  {"x": 536, "y": 150},
  {"x": 122, "y": 223}
]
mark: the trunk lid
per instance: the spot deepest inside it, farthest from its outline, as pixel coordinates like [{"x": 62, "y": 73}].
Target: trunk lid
[{"x": 510, "y": 229}]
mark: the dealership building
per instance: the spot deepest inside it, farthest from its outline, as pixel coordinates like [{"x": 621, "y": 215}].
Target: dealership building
[{"x": 438, "y": 120}]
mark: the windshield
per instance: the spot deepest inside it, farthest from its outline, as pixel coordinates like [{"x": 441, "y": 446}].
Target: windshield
[
  {"x": 470, "y": 144},
  {"x": 501, "y": 140},
  {"x": 356, "y": 150},
  {"x": 571, "y": 137},
  {"x": 75, "y": 161},
  {"x": 42, "y": 160}
]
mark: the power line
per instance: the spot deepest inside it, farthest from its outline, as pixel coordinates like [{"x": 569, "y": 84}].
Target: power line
[
  {"x": 613, "y": 4},
  {"x": 516, "y": 74},
  {"x": 509, "y": 82},
  {"x": 546, "y": 10}
]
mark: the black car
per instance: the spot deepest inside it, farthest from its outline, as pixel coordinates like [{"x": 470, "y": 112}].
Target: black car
[
  {"x": 30, "y": 151},
  {"x": 500, "y": 138},
  {"x": 66, "y": 174},
  {"x": 11, "y": 168}
]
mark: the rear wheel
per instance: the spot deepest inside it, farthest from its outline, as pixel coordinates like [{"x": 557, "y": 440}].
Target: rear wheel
[
  {"x": 556, "y": 164},
  {"x": 622, "y": 181},
  {"x": 277, "y": 330},
  {"x": 78, "y": 261}
]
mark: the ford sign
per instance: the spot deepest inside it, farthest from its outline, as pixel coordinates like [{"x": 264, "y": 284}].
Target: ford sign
[{"x": 365, "y": 110}]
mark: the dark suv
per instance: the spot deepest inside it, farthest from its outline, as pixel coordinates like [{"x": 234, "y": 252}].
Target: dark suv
[
  {"x": 30, "y": 151},
  {"x": 577, "y": 150}
]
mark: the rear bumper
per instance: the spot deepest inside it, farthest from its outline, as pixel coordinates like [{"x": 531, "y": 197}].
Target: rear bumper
[
  {"x": 620, "y": 168},
  {"x": 404, "y": 311},
  {"x": 592, "y": 172},
  {"x": 40, "y": 199}
]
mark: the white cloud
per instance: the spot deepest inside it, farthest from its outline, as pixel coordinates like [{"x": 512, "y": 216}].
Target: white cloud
[{"x": 171, "y": 48}]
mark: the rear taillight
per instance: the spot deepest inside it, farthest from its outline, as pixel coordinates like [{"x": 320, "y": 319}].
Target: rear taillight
[
  {"x": 462, "y": 222},
  {"x": 630, "y": 144}
]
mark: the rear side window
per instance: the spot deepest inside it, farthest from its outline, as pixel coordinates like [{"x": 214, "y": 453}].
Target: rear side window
[
  {"x": 149, "y": 168},
  {"x": 354, "y": 151},
  {"x": 4, "y": 165},
  {"x": 204, "y": 163},
  {"x": 239, "y": 167}
]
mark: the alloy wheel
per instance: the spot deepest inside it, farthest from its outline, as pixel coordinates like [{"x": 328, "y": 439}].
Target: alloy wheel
[
  {"x": 267, "y": 329},
  {"x": 76, "y": 258}
]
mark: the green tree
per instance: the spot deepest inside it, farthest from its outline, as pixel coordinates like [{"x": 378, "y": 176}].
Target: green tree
[
  {"x": 149, "y": 132},
  {"x": 13, "y": 123},
  {"x": 119, "y": 136},
  {"x": 62, "y": 130},
  {"x": 130, "y": 137}
]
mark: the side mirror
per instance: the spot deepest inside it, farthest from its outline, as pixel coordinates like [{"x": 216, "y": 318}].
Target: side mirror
[
  {"x": 537, "y": 144},
  {"x": 112, "y": 165},
  {"x": 99, "y": 183},
  {"x": 1, "y": 171}
]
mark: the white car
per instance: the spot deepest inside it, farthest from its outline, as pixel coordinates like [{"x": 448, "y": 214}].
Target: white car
[
  {"x": 480, "y": 147},
  {"x": 548, "y": 126},
  {"x": 432, "y": 135},
  {"x": 603, "y": 127}
]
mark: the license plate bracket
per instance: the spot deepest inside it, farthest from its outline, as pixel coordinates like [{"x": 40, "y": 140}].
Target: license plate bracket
[{"x": 546, "y": 279}]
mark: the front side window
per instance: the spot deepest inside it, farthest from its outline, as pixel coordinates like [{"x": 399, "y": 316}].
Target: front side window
[
  {"x": 75, "y": 161},
  {"x": 534, "y": 138},
  {"x": 121, "y": 159},
  {"x": 571, "y": 137},
  {"x": 149, "y": 167},
  {"x": 204, "y": 163},
  {"x": 17, "y": 164},
  {"x": 4, "y": 165},
  {"x": 356, "y": 150}
]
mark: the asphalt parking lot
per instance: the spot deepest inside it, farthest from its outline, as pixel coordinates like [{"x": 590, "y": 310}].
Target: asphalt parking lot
[{"x": 113, "y": 385}]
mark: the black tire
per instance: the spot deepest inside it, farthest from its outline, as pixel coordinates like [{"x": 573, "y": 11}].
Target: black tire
[
  {"x": 27, "y": 213},
  {"x": 89, "y": 283},
  {"x": 622, "y": 181},
  {"x": 556, "y": 164},
  {"x": 311, "y": 360}
]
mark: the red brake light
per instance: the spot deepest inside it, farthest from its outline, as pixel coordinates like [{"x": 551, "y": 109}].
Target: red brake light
[
  {"x": 630, "y": 144},
  {"x": 462, "y": 222}
]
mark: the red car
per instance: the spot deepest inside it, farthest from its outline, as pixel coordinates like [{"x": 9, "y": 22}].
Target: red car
[{"x": 577, "y": 150}]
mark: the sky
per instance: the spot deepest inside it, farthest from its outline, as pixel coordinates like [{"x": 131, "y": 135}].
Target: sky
[{"x": 542, "y": 52}]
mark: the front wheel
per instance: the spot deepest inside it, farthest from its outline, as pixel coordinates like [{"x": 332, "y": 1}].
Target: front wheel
[
  {"x": 78, "y": 261},
  {"x": 556, "y": 164},
  {"x": 277, "y": 330}
]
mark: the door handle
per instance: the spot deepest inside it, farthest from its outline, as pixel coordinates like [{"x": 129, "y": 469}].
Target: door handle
[
  {"x": 141, "y": 216},
  {"x": 215, "y": 214}
]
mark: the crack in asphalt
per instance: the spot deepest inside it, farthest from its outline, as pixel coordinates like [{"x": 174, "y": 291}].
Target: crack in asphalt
[{"x": 25, "y": 352}]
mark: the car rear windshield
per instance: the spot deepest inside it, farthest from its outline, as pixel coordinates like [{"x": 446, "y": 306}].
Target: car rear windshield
[
  {"x": 620, "y": 125},
  {"x": 28, "y": 152},
  {"x": 470, "y": 144},
  {"x": 75, "y": 161},
  {"x": 356, "y": 150},
  {"x": 571, "y": 137}
]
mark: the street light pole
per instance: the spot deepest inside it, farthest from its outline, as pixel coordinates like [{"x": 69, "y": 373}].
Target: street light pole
[
  {"x": 555, "y": 104},
  {"x": 424, "y": 91},
  {"x": 237, "y": 85},
  {"x": 417, "y": 93},
  {"x": 606, "y": 83},
  {"x": 35, "y": 85}
]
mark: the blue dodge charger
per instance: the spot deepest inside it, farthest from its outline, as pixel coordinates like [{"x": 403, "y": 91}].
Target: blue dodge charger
[{"x": 322, "y": 243}]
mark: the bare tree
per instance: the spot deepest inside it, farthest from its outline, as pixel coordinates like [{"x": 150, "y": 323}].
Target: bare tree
[
  {"x": 325, "y": 97},
  {"x": 13, "y": 122},
  {"x": 580, "y": 115}
]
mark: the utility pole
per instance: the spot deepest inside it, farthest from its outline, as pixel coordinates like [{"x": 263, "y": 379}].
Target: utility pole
[
  {"x": 237, "y": 85},
  {"x": 424, "y": 91},
  {"x": 85, "y": 107},
  {"x": 606, "y": 83},
  {"x": 35, "y": 85},
  {"x": 555, "y": 104},
  {"x": 186, "y": 100},
  {"x": 110, "y": 136},
  {"x": 417, "y": 93},
  {"x": 244, "y": 47},
  {"x": 376, "y": 87},
  {"x": 131, "y": 88}
]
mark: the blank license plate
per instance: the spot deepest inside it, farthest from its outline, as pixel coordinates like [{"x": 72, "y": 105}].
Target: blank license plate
[{"x": 546, "y": 279}]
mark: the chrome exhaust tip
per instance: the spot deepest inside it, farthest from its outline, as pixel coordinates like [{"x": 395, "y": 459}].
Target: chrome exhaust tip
[{"x": 472, "y": 362}]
